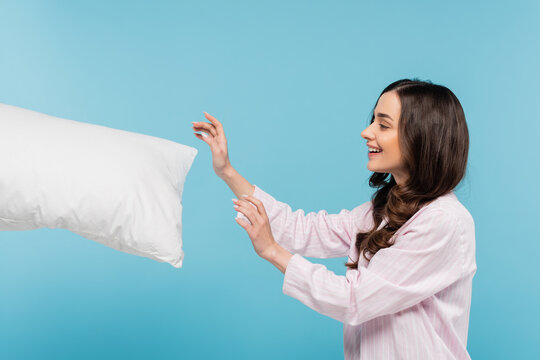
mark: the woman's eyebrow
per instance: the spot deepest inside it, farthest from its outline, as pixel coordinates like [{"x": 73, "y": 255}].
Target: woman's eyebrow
[{"x": 384, "y": 116}]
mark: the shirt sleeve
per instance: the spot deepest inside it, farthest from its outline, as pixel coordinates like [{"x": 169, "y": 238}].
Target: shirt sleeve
[
  {"x": 423, "y": 260},
  {"x": 318, "y": 235}
]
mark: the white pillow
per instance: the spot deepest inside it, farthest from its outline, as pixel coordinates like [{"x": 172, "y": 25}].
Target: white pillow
[{"x": 119, "y": 188}]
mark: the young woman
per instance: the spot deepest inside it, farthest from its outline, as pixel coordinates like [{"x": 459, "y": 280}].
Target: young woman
[{"x": 407, "y": 289}]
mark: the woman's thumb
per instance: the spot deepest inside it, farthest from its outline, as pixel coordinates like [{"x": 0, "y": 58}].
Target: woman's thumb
[{"x": 203, "y": 136}]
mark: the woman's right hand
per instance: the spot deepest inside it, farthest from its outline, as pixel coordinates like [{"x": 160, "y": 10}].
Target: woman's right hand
[{"x": 217, "y": 142}]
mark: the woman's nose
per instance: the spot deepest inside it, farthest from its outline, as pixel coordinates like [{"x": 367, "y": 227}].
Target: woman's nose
[{"x": 366, "y": 133}]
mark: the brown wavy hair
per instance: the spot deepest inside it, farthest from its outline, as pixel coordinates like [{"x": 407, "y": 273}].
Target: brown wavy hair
[{"x": 434, "y": 141}]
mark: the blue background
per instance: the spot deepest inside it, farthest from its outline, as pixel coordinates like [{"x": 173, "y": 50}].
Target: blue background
[{"x": 293, "y": 83}]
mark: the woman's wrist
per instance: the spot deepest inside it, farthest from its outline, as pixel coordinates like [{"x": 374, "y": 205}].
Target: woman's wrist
[{"x": 278, "y": 256}]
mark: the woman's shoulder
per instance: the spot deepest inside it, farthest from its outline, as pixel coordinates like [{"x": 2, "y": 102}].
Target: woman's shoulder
[
  {"x": 447, "y": 207},
  {"x": 451, "y": 205}
]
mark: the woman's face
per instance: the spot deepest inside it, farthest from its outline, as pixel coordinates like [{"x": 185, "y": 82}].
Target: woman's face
[{"x": 383, "y": 134}]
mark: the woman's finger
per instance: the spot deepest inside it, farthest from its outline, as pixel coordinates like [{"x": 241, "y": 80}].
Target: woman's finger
[
  {"x": 198, "y": 125},
  {"x": 246, "y": 224},
  {"x": 258, "y": 204},
  {"x": 215, "y": 122},
  {"x": 206, "y": 138},
  {"x": 243, "y": 223},
  {"x": 203, "y": 133},
  {"x": 248, "y": 210}
]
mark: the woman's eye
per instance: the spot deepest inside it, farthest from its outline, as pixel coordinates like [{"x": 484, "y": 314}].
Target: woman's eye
[{"x": 383, "y": 127}]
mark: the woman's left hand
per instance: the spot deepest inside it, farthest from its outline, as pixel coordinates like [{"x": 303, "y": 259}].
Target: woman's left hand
[{"x": 259, "y": 230}]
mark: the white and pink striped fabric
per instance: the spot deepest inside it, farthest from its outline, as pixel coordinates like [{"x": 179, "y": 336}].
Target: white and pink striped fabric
[{"x": 412, "y": 301}]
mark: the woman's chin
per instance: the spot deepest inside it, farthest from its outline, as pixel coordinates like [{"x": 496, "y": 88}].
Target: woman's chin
[{"x": 377, "y": 169}]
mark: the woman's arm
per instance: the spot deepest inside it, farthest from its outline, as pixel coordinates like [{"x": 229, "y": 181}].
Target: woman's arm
[
  {"x": 238, "y": 184},
  {"x": 319, "y": 235},
  {"x": 430, "y": 256},
  {"x": 314, "y": 234}
]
